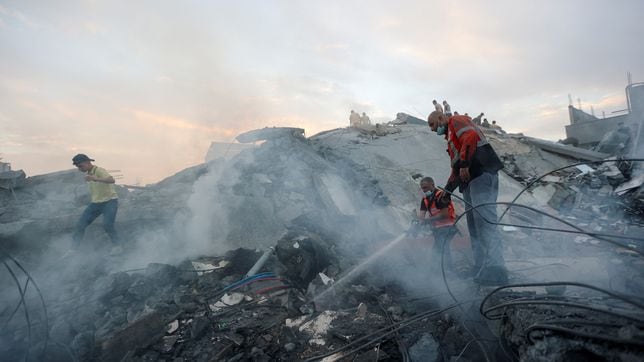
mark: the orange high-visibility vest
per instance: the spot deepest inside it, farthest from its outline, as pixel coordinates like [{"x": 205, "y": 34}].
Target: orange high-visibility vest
[{"x": 433, "y": 210}]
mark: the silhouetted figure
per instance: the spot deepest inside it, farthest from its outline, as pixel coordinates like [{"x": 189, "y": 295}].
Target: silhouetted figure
[
  {"x": 364, "y": 120},
  {"x": 447, "y": 108},
  {"x": 477, "y": 119},
  {"x": 437, "y": 106},
  {"x": 354, "y": 119}
]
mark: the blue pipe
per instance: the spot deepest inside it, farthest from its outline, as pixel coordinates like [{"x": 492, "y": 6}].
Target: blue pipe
[{"x": 248, "y": 279}]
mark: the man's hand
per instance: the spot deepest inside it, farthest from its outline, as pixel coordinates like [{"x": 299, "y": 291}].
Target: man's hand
[
  {"x": 91, "y": 178},
  {"x": 465, "y": 174}
]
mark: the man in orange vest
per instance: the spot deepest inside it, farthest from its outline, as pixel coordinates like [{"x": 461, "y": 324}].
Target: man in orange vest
[
  {"x": 475, "y": 167},
  {"x": 437, "y": 210}
]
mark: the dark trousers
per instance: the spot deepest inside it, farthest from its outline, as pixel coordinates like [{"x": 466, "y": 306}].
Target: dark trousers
[
  {"x": 441, "y": 250},
  {"x": 93, "y": 210},
  {"x": 484, "y": 237}
]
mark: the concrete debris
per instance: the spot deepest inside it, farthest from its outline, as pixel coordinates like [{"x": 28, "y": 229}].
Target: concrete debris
[
  {"x": 325, "y": 204},
  {"x": 568, "y": 150},
  {"x": 10, "y": 180},
  {"x": 425, "y": 349},
  {"x": 269, "y": 134},
  {"x": 404, "y": 118},
  {"x": 173, "y": 326}
]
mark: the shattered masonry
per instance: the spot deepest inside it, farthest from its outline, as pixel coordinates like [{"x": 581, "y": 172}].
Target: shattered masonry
[{"x": 326, "y": 203}]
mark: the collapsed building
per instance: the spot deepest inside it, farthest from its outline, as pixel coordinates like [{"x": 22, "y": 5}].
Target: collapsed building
[
  {"x": 294, "y": 249},
  {"x": 618, "y": 134}
]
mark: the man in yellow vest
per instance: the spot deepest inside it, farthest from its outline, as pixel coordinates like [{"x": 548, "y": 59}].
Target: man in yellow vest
[{"x": 104, "y": 201}]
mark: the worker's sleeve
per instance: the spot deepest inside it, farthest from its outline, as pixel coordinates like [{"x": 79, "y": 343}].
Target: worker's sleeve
[
  {"x": 453, "y": 182},
  {"x": 468, "y": 140}
]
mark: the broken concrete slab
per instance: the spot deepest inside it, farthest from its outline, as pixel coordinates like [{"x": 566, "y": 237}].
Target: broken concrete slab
[
  {"x": 269, "y": 134},
  {"x": 568, "y": 150},
  {"x": 10, "y": 180},
  {"x": 141, "y": 333}
]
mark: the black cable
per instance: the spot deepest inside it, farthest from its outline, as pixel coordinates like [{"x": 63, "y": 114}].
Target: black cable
[
  {"x": 22, "y": 299},
  {"x": 408, "y": 321},
  {"x": 584, "y": 322},
  {"x": 469, "y": 343},
  {"x": 572, "y": 284},
  {"x": 563, "y": 168},
  {"x": 449, "y": 290},
  {"x": 553, "y": 328},
  {"x": 540, "y": 267},
  {"x": 42, "y": 298},
  {"x": 598, "y": 236},
  {"x": 383, "y": 335},
  {"x": 474, "y": 208},
  {"x": 401, "y": 345},
  {"x": 487, "y": 311},
  {"x": 24, "y": 307}
]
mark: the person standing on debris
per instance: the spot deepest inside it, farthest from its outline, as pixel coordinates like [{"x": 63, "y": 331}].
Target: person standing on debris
[
  {"x": 438, "y": 107},
  {"x": 447, "y": 108},
  {"x": 485, "y": 123},
  {"x": 495, "y": 126},
  {"x": 364, "y": 120},
  {"x": 354, "y": 119},
  {"x": 477, "y": 119},
  {"x": 437, "y": 211},
  {"x": 104, "y": 200},
  {"x": 475, "y": 167}
]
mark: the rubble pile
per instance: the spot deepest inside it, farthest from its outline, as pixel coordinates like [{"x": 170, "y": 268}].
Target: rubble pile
[
  {"x": 605, "y": 194},
  {"x": 301, "y": 214},
  {"x": 206, "y": 309},
  {"x": 562, "y": 322}
]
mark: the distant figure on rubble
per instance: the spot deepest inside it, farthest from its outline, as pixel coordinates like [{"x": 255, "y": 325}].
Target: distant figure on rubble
[
  {"x": 485, "y": 123},
  {"x": 448, "y": 109},
  {"x": 104, "y": 201},
  {"x": 477, "y": 119},
  {"x": 495, "y": 126},
  {"x": 437, "y": 105},
  {"x": 354, "y": 119},
  {"x": 475, "y": 167},
  {"x": 437, "y": 212},
  {"x": 364, "y": 120}
]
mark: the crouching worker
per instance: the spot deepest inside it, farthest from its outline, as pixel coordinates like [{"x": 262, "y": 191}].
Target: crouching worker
[
  {"x": 437, "y": 211},
  {"x": 104, "y": 201}
]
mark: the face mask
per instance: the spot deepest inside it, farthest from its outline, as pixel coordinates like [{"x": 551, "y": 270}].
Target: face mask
[
  {"x": 441, "y": 130},
  {"x": 429, "y": 193}
]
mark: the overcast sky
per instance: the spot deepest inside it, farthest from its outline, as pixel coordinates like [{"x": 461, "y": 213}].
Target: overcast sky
[{"x": 145, "y": 86}]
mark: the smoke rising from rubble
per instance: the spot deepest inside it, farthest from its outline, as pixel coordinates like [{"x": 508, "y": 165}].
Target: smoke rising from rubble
[
  {"x": 308, "y": 187},
  {"x": 208, "y": 225}
]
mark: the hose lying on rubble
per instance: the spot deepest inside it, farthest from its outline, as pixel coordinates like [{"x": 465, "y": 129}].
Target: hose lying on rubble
[
  {"x": 554, "y": 328},
  {"x": 556, "y": 325},
  {"x": 22, "y": 291},
  {"x": 621, "y": 297},
  {"x": 563, "y": 168},
  {"x": 383, "y": 332},
  {"x": 577, "y": 231}
]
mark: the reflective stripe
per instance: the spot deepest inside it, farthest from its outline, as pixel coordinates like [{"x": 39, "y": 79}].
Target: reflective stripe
[
  {"x": 434, "y": 210},
  {"x": 464, "y": 129},
  {"x": 454, "y": 155},
  {"x": 461, "y": 126}
]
